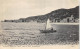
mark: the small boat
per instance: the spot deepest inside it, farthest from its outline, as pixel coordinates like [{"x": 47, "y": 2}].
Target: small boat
[{"x": 48, "y": 28}]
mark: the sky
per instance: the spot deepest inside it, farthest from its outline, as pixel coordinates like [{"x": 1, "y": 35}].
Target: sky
[{"x": 15, "y": 9}]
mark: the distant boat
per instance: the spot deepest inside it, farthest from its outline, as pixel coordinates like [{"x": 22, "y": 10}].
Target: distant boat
[{"x": 48, "y": 28}]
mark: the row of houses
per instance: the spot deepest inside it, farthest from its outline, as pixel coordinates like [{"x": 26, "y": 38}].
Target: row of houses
[{"x": 66, "y": 20}]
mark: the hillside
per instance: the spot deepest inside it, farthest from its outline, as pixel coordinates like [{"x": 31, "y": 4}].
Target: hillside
[{"x": 57, "y": 14}]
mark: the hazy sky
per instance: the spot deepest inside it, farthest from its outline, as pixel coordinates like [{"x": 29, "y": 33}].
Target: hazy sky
[{"x": 15, "y": 9}]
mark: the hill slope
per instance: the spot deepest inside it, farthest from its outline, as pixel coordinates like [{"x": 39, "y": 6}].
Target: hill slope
[{"x": 60, "y": 14}]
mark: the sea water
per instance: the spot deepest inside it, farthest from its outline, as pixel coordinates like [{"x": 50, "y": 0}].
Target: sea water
[{"x": 29, "y": 34}]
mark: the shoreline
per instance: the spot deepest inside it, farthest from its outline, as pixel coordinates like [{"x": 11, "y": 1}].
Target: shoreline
[
  {"x": 44, "y": 23},
  {"x": 66, "y": 23}
]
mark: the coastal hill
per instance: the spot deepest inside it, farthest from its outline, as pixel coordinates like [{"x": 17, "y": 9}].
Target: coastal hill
[{"x": 60, "y": 15}]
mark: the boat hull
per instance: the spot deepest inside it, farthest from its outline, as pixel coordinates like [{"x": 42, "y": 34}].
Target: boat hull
[{"x": 47, "y": 31}]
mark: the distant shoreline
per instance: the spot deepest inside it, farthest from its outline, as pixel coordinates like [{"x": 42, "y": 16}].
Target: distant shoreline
[
  {"x": 66, "y": 23},
  {"x": 44, "y": 23}
]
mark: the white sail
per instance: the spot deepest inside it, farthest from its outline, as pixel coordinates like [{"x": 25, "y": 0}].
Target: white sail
[{"x": 48, "y": 25}]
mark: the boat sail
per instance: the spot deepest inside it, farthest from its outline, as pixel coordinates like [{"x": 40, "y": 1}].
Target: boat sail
[
  {"x": 48, "y": 28},
  {"x": 48, "y": 25}
]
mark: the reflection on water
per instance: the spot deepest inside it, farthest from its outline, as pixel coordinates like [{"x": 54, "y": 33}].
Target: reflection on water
[{"x": 28, "y": 34}]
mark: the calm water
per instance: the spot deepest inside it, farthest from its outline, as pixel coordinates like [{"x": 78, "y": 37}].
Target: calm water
[{"x": 29, "y": 34}]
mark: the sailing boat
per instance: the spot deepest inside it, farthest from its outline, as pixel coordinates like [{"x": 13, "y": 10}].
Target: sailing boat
[{"x": 48, "y": 28}]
